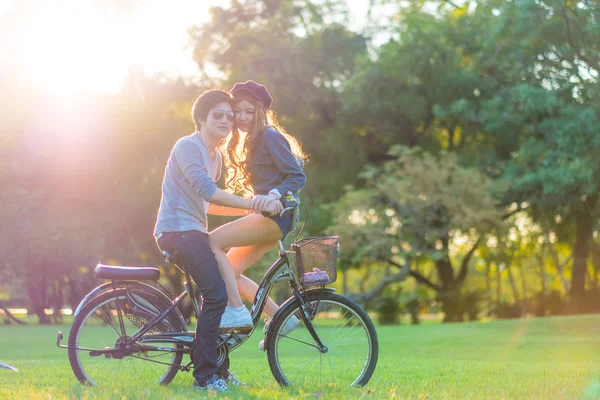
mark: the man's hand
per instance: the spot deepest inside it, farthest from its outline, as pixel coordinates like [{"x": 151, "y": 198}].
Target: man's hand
[{"x": 273, "y": 207}]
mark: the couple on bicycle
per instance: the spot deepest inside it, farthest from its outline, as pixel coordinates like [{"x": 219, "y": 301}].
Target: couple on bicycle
[{"x": 263, "y": 161}]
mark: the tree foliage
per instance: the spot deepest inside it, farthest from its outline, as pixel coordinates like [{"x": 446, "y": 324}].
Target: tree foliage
[{"x": 412, "y": 208}]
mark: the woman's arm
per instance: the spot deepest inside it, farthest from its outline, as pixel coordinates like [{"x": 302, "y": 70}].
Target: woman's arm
[
  {"x": 215, "y": 209},
  {"x": 281, "y": 152}
]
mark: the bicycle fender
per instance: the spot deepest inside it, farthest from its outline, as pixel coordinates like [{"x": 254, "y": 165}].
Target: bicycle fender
[
  {"x": 289, "y": 303},
  {"x": 101, "y": 289},
  {"x": 98, "y": 290},
  {"x": 105, "y": 287}
]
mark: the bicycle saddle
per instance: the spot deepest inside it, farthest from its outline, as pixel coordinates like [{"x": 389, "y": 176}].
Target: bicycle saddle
[{"x": 126, "y": 273}]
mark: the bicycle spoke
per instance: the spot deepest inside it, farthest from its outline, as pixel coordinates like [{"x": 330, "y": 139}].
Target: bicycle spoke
[
  {"x": 299, "y": 341},
  {"x": 96, "y": 329},
  {"x": 307, "y": 364},
  {"x": 106, "y": 317},
  {"x": 346, "y": 337}
]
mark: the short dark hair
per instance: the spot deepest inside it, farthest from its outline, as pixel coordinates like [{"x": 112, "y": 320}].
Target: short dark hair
[{"x": 207, "y": 100}]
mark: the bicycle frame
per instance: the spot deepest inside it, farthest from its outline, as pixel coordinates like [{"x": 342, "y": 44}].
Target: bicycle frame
[
  {"x": 280, "y": 271},
  {"x": 276, "y": 273}
]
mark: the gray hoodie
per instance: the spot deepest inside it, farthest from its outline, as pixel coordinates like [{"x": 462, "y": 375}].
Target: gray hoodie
[{"x": 188, "y": 183}]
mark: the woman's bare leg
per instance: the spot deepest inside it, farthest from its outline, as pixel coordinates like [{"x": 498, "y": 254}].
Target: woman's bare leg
[
  {"x": 243, "y": 257},
  {"x": 249, "y": 231}
]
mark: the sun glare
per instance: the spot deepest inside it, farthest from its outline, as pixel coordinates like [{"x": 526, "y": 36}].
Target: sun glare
[{"x": 71, "y": 46}]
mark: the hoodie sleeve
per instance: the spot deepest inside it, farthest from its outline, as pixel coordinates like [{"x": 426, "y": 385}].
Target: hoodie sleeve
[{"x": 190, "y": 162}]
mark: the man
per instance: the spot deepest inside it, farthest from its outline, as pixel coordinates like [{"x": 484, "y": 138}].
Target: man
[{"x": 189, "y": 192}]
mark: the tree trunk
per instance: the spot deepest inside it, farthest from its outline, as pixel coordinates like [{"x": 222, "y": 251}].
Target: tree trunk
[
  {"x": 581, "y": 250},
  {"x": 9, "y": 317},
  {"x": 444, "y": 267},
  {"x": 449, "y": 294},
  {"x": 364, "y": 279},
  {"x": 596, "y": 264},
  {"x": 451, "y": 305},
  {"x": 542, "y": 269},
  {"x": 498, "y": 285},
  {"x": 525, "y": 301},
  {"x": 560, "y": 268},
  {"x": 365, "y": 297},
  {"x": 38, "y": 300},
  {"x": 513, "y": 286},
  {"x": 488, "y": 287},
  {"x": 595, "y": 276}
]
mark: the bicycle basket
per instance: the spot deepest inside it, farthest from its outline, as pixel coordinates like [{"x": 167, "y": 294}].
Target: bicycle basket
[{"x": 316, "y": 260}]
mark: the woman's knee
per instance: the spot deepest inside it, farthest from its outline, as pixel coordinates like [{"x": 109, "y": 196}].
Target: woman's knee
[{"x": 215, "y": 242}]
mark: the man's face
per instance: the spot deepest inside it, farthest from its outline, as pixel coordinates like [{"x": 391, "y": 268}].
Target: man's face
[{"x": 219, "y": 120}]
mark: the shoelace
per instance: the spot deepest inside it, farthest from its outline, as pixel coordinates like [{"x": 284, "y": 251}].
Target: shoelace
[{"x": 220, "y": 385}]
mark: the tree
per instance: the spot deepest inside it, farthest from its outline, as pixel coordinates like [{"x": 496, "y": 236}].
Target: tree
[
  {"x": 513, "y": 101},
  {"x": 409, "y": 213}
]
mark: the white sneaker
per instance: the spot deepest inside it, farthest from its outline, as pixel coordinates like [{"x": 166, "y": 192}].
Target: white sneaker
[
  {"x": 287, "y": 328},
  {"x": 236, "y": 317},
  {"x": 213, "y": 383},
  {"x": 232, "y": 380}
]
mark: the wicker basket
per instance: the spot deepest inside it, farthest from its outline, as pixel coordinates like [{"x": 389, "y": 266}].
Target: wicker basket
[{"x": 316, "y": 260}]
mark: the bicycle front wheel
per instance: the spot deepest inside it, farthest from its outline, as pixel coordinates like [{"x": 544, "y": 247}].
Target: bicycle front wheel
[
  {"x": 343, "y": 327},
  {"x": 98, "y": 327}
]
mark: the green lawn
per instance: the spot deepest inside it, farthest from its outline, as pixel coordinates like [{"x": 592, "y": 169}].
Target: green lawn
[{"x": 545, "y": 358}]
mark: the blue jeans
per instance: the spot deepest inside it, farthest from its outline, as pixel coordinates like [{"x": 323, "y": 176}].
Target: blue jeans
[{"x": 196, "y": 256}]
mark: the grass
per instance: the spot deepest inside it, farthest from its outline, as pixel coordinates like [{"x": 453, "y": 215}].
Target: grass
[{"x": 543, "y": 358}]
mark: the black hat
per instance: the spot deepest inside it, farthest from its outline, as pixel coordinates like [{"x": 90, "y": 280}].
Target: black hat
[{"x": 258, "y": 91}]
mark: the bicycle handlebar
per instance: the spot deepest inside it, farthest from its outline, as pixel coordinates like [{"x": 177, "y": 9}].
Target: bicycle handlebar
[{"x": 287, "y": 209}]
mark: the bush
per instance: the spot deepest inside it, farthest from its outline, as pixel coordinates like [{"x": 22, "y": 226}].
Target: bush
[
  {"x": 553, "y": 303},
  {"x": 469, "y": 301},
  {"x": 588, "y": 303},
  {"x": 506, "y": 310},
  {"x": 412, "y": 306},
  {"x": 461, "y": 305},
  {"x": 388, "y": 308}
]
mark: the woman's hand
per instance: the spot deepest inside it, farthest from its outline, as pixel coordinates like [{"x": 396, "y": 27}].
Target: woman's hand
[
  {"x": 274, "y": 207},
  {"x": 259, "y": 202}
]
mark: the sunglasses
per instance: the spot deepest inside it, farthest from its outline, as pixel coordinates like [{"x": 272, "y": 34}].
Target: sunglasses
[{"x": 218, "y": 114}]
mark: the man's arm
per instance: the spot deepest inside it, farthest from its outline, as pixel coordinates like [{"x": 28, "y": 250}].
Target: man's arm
[{"x": 196, "y": 173}]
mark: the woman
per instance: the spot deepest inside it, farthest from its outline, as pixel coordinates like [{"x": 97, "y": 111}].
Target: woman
[{"x": 267, "y": 164}]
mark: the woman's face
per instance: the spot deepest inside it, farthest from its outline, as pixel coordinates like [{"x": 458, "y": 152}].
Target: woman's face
[{"x": 244, "y": 115}]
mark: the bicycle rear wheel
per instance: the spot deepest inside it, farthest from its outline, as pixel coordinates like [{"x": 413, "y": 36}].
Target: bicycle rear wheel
[
  {"x": 343, "y": 327},
  {"x": 98, "y": 327}
]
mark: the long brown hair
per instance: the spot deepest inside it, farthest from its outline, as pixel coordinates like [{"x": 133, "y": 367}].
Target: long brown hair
[{"x": 237, "y": 156}]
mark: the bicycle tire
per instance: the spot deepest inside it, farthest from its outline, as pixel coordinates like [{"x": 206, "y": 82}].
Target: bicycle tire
[
  {"x": 317, "y": 299},
  {"x": 135, "y": 317}
]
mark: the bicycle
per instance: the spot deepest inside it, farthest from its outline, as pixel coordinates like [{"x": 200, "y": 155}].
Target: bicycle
[{"x": 148, "y": 335}]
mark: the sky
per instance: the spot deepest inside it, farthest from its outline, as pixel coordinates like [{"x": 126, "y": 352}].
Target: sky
[{"x": 62, "y": 43}]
